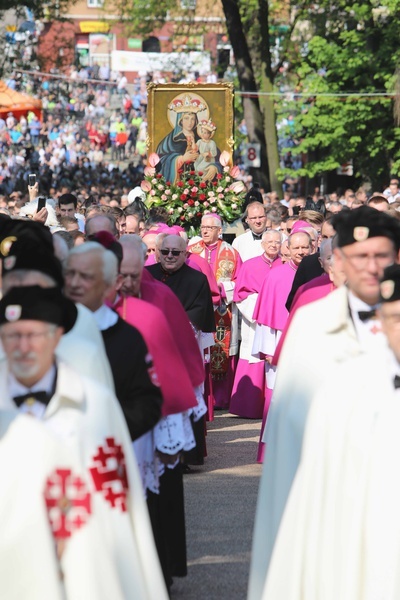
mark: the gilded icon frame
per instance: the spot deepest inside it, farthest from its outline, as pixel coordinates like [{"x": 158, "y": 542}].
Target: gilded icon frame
[{"x": 218, "y": 101}]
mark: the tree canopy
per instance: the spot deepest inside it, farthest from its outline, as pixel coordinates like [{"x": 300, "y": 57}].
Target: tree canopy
[{"x": 346, "y": 75}]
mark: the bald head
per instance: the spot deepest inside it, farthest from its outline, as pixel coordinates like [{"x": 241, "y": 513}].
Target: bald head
[
  {"x": 172, "y": 253},
  {"x": 299, "y": 245},
  {"x": 175, "y": 241},
  {"x": 101, "y": 223}
]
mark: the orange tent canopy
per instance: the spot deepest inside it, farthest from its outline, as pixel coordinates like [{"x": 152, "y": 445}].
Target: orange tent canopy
[{"x": 15, "y": 102}]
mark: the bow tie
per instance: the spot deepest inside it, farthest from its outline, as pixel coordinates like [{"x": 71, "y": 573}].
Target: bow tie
[
  {"x": 365, "y": 315},
  {"x": 396, "y": 382},
  {"x": 257, "y": 236},
  {"x": 32, "y": 397}
]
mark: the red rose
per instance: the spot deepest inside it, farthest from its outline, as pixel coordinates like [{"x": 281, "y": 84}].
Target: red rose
[
  {"x": 183, "y": 197},
  {"x": 219, "y": 176},
  {"x": 182, "y": 218},
  {"x": 158, "y": 175},
  {"x": 180, "y": 170},
  {"x": 168, "y": 183},
  {"x": 180, "y": 184},
  {"x": 203, "y": 185},
  {"x": 202, "y": 197},
  {"x": 199, "y": 214},
  {"x": 193, "y": 195},
  {"x": 190, "y": 182},
  {"x": 191, "y": 202},
  {"x": 192, "y": 172},
  {"x": 200, "y": 173},
  {"x": 215, "y": 182}
]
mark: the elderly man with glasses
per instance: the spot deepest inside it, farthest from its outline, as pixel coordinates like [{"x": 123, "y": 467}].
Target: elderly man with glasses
[
  {"x": 322, "y": 335},
  {"x": 225, "y": 262},
  {"x": 189, "y": 285}
]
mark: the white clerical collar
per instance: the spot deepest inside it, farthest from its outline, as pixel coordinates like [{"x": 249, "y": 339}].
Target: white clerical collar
[
  {"x": 45, "y": 384},
  {"x": 356, "y": 304},
  {"x": 105, "y": 317}
]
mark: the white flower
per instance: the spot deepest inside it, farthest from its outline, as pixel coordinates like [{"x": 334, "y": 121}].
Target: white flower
[
  {"x": 167, "y": 192},
  {"x": 171, "y": 211},
  {"x": 153, "y": 181},
  {"x": 212, "y": 200},
  {"x": 227, "y": 178},
  {"x": 180, "y": 209},
  {"x": 197, "y": 203},
  {"x": 174, "y": 196},
  {"x": 160, "y": 187},
  {"x": 211, "y": 193},
  {"x": 214, "y": 209},
  {"x": 220, "y": 189},
  {"x": 234, "y": 206},
  {"x": 206, "y": 204},
  {"x": 226, "y": 169},
  {"x": 185, "y": 205}
]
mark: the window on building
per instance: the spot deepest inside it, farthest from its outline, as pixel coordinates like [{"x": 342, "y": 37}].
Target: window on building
[
  {"x": 151, "y": 44},
  {"x": 94, "y": 3},
  {"x": 188, "y": 4}
]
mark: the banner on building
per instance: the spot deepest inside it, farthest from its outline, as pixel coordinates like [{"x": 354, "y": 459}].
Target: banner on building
[{"x": 147, "y": 62}]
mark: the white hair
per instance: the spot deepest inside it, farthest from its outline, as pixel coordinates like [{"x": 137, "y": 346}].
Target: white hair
[
  {"x": 269, "y": 231},
  {"x": 326, "y": 247},
  {"x": 313, "y": 233},
  {"x": 217, "y": 220},
  {"x": 109, "y": 260},
  {"x": 134, "y": 243}
]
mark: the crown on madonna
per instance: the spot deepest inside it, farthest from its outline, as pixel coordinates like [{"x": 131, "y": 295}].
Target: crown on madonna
[{"x": 187, "y": 104}]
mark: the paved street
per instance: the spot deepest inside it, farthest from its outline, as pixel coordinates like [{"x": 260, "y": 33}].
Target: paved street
[{"x": 220, "y": 507}]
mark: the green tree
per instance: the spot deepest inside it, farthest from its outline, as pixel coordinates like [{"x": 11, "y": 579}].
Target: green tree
[
  {"x": 354, "y": 50},
  {"x": 248, "y": 27}
]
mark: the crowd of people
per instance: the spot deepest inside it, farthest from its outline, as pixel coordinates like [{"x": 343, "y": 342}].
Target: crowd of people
[
  {"x": 288, "y": 315},
  {"x": 266, "y": 309}
]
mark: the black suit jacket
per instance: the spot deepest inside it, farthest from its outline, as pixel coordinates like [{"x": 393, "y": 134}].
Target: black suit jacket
[{"x": 309, "y": 268}]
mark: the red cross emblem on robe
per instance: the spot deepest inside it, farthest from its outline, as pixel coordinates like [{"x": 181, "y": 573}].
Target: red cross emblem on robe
[
  {"x": 109, "y": 474},
  {"x": 68, "y": 503}
]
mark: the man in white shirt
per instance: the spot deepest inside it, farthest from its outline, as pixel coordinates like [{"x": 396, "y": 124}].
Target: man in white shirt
[
  {"x": 249, "y": 244},
  {"x": 96, "y": 510},
  {"x": 322, "y": 335},
  {"x": 341, "y": 524}
]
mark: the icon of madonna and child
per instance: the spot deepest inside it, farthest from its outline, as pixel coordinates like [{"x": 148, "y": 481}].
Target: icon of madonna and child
[{"x": 189, "y": 146}]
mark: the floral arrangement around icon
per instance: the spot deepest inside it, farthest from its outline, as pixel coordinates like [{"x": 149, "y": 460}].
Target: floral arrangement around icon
[{"x": 191, "y": 197}]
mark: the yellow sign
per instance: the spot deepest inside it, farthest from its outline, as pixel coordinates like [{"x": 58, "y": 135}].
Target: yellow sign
[{"x": 94, "y": 27}]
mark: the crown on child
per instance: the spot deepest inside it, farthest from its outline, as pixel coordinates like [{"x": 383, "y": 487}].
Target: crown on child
[{"x": 209, "y": 125}]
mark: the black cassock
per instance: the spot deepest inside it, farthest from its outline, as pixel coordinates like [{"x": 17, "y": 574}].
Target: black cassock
[{"x": 192, "y": 289}]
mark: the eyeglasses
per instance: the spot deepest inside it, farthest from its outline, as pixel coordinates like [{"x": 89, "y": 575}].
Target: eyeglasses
[
  {"x": 133, "y": 276},
  {"x": 208, "y": 227},
  {"x": 31, "y": 337},
  {"x": 360, "y": 261},
  {"x": 166, "y": 252}
]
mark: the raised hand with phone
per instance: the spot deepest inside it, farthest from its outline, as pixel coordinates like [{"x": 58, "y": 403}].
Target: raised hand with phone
[{"x": 33, "y": 190}]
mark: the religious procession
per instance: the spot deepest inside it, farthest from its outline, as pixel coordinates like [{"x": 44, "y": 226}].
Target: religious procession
[{"x": 200, "y": 310}]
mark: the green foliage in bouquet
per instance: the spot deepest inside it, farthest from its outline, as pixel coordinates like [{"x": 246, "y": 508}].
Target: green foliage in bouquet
[{"x": 189, "y": 198}]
